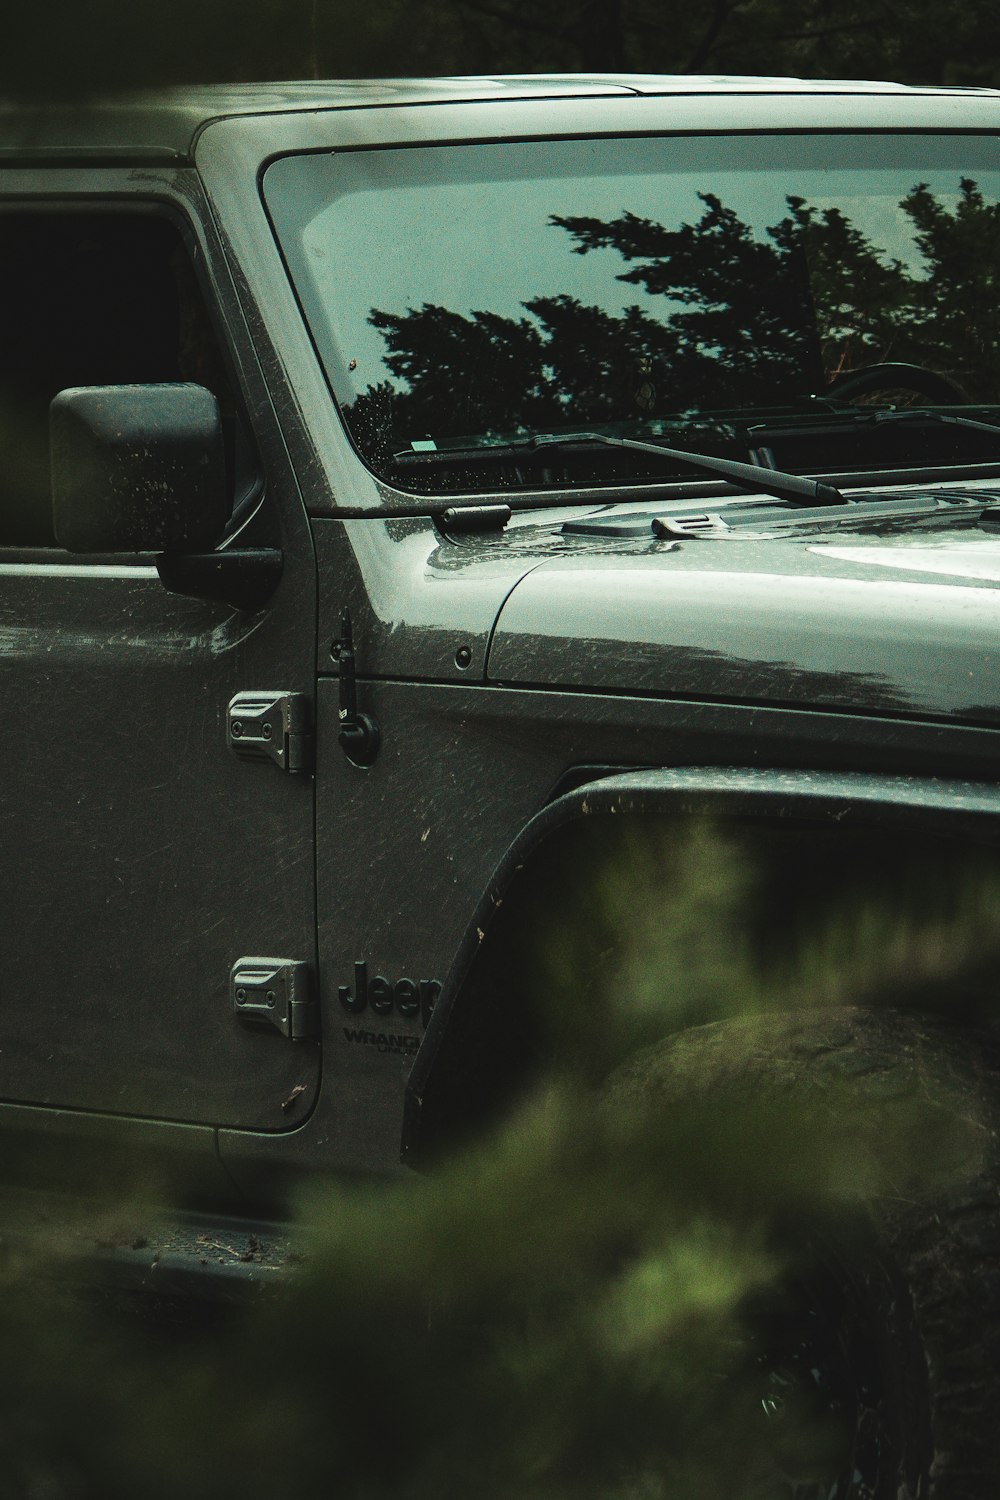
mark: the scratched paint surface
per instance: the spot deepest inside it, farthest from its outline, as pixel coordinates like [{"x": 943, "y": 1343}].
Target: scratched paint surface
[{"x": 140, "y": 859}]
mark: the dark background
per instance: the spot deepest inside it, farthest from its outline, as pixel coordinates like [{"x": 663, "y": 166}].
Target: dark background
[{"x": 72, "y": 47}]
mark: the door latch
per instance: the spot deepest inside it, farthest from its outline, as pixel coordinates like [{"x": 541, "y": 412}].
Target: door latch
[
  {"x": 275, "y": 992},
  {"x": 274, "y": 726}
]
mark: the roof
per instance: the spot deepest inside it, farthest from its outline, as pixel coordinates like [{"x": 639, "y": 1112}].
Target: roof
[{"x": 164, "y": 125}]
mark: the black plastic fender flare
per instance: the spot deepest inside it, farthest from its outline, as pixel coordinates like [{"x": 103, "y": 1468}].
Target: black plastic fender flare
[{"x": 963, "y": 809}]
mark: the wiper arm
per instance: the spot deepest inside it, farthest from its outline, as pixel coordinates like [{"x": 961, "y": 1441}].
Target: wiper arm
[
  {"x": 855, "y": 421},
  {"x": 753, "y": 478},
  {"x": 878, "y": 417}
]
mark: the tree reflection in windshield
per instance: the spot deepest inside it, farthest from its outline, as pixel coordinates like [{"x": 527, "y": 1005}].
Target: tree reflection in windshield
[
  {"x": 747, "y": 323},
  {"x": 737, "y": 327},
  {"x": 681, "y": 287}
]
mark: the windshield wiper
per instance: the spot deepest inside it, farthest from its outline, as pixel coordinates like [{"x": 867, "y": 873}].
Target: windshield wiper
[
  {"x": 752, "y": 477},
  {"x": 748, "y": 477},
  {"x": 855, "y": 421},
  {"x": 877, "y": 418}
]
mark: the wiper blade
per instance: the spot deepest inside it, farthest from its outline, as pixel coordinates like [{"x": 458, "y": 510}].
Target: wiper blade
[
  {"x": 752, "y": 478},
  {"x": 821, "y": 423},
  {"x": 877, "y": 418}
]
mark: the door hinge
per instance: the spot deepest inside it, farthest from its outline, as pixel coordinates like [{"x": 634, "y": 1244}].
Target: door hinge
[
  {"x": 274, "y": 726},
  {"x": 275, "y": 992}
]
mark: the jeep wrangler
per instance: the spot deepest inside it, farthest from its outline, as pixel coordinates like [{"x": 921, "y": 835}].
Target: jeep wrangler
[{"x": 409, "y": 489}]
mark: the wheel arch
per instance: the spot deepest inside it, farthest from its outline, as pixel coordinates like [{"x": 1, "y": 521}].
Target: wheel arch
[{"x": 472, "y": 1059}]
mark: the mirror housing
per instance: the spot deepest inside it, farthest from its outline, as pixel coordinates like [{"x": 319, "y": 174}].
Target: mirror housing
[{"x": 137, "y": 468}]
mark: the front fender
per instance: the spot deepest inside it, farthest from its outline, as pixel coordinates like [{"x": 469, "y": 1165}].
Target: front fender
[{"x": 481, "y": 1033}]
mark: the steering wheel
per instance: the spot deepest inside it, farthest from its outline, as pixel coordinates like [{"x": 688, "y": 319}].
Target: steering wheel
[{"x": 897, "y": 376}]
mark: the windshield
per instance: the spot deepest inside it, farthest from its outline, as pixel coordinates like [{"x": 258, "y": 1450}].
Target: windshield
[{"x": 728, "y": 294}]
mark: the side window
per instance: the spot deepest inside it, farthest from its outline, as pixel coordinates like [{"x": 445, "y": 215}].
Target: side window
[{"x": 88, "y": 299}]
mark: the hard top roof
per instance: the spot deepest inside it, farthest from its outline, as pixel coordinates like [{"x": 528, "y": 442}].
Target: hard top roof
[{"x": 165, "y": 124}]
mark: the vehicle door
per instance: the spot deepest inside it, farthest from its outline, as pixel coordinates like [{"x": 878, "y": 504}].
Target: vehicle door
[{"x": 142, "y": 860}]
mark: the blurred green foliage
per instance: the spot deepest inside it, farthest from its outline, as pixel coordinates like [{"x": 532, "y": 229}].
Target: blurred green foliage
[
  {"x": 559, "y": 1310},
  {"x": 650, "y": 927}
]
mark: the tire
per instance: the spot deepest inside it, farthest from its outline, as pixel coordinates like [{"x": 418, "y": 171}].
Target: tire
[{"x": 887, "y": 1185}]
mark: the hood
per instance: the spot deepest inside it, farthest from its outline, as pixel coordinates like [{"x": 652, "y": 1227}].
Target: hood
[{"x": 903, "y": 624}]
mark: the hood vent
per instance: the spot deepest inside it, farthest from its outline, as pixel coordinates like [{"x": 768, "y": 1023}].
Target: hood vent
[
  {"x": 757, "y": 522},
  {"x": 701, "y": 526}
]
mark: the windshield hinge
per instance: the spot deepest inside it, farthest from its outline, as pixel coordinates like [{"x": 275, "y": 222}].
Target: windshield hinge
[
  {"x": 359, "y": 733},
  {"x": 262, "y": 725}
]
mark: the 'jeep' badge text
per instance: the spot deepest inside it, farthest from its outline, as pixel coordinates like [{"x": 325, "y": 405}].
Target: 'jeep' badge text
[{"x": 410, "y": 997}]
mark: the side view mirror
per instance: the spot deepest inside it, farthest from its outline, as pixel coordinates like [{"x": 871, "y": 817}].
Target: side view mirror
[{"x": 137, "y": 468}]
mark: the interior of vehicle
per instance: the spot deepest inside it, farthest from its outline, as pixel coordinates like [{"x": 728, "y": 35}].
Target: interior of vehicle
[{"x": 88, "y": 299}]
